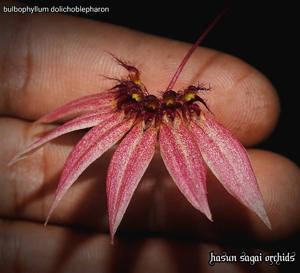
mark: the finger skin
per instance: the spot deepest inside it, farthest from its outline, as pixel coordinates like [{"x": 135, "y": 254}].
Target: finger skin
[
  {"x": 47, "y": 61},
  {"x": 57, "y": 249},
  {"x": 28, "y": 188}
]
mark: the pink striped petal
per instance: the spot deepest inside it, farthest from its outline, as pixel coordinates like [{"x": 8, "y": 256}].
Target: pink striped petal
[
  {"x": 228, "y": 160},
  {"x": 183, "y": 160},
  {"x": 126, "y": 169},
  {"x": 82, "y": 122},
  {"x": 103, "y": 102},
  {"x": 97, "y": 141},
  {"x": 88, "y": 140}
]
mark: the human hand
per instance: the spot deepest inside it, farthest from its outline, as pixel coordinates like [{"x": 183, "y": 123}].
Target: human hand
[{"x": 50, "y": 60}]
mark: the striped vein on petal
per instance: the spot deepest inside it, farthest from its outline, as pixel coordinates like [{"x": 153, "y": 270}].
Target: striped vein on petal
[
  {"x": 97, "y": 141},
  {"x": 228, "y": 160},
  {"x": 103, "y": 102},
  {"x": 184, "y": 162},
  {"x": 128, "y": 164},
  {"x": 82, "y": 122}
]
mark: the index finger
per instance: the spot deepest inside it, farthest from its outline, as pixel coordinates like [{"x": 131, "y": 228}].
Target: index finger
[{"x": 49, "y": 60}]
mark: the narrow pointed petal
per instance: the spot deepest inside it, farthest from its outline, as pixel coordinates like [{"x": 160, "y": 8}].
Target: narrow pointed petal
[
  {"x": 102, "y": 102},
  {"x": 97, "y": 141},
  {"x": 183, "y": 160},
  {"x": 228, "y": 160},
  {"x": 82, "y": 122},
  {"x": 126, "y": 169}
]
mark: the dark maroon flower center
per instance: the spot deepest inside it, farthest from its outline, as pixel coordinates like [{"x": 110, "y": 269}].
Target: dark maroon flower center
[{"x": 133, "y": 98}]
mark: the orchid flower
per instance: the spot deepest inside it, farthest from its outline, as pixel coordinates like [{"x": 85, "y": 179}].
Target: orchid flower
[{"x": 180, "y": 123}]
